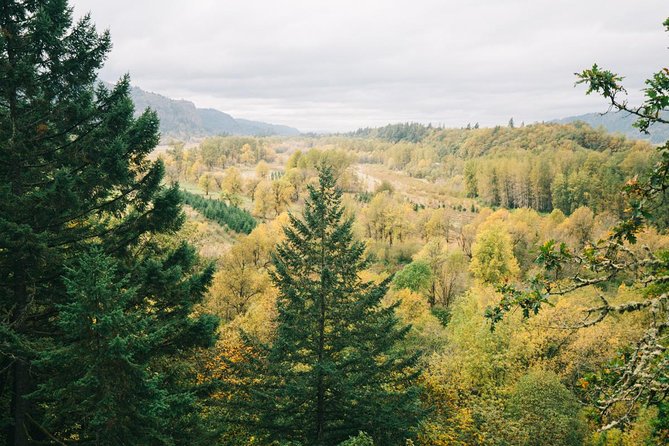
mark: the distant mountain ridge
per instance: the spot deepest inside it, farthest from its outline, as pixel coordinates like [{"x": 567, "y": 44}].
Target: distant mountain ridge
[
  {"x": 181, "y": 119},
  {"x": 620, "y": 122}
]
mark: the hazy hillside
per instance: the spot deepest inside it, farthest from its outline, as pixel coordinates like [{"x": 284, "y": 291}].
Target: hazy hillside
[
  {"x": 620, "y": 123},
  {"x": 182, "y": 119}
]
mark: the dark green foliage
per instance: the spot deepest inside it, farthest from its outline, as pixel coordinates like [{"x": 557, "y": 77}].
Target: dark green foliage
[
  {"x": 334, "y": 368},
  {"x": 443, "y": 314},
  {"x": 547, "y": 411},
  {"x": 416, "y": 276},
  {"x": 409, "y": 132},
  {"x": 233, "y": 217},
  {"x": 100, "y": 373},
  {"x": 362, "y": 439},
  {"x": 74, "y": 173},
  {"x": 661, "y": 424}
]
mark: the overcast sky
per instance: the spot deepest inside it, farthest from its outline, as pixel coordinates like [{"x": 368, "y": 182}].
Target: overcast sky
[{"x": 324, "y": 65}]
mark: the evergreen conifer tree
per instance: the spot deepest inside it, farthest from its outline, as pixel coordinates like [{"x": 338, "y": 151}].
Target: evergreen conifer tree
[
  {"x": 335, "y": 368},
  {"x": 74, "y": 177}
]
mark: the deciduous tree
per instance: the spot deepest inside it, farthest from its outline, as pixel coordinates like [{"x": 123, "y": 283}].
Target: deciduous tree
[
  {"x": 640, "y": 376},
  {"x": 492, "y": 256}
]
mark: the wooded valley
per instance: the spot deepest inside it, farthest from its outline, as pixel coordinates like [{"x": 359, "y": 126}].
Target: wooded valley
[{"x": 402, "y": 285}]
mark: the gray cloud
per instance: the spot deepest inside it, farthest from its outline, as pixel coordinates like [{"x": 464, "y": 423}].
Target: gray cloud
[{"x": 338, "y": 65}]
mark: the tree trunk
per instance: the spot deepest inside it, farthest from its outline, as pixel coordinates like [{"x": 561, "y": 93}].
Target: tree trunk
[
  {"x": 20, "y": 379},
  {"x": 320, "y": 384}
]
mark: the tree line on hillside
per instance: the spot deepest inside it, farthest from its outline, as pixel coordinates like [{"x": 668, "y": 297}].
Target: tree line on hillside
[
  {"x": 540, "y": 166},
  {"x": 639, "y": 376},
  {"x": 409, "y": 132}
]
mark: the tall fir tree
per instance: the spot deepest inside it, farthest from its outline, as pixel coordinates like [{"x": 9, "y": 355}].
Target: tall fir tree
[
  {"x": 74, "y": 174},
  {"x": 335, "y": 367}
]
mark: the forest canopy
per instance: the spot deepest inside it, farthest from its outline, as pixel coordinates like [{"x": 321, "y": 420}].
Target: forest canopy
[{"x": 402, "y": 285}]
